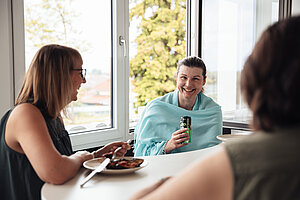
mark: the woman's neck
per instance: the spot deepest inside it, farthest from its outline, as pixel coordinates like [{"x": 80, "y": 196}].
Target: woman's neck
[{"x": 187, "y": 104}]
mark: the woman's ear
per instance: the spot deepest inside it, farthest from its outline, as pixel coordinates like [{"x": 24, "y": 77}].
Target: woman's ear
[{"x": 204, "y": 80}]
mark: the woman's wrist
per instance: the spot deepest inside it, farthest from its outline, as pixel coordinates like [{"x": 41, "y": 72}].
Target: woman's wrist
[{"x": 166, "y": 149}]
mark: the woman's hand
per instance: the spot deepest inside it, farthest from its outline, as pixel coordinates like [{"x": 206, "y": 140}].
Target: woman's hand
[
  {"x": 149, "y": 189},
  {"x": 177, "y": 139},
  {"x": 111, "y": 147},
  {"x": 83, "y": 156}
]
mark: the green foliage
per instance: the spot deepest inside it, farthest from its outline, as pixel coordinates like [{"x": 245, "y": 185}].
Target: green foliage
[{"x": 160, "y": 45}]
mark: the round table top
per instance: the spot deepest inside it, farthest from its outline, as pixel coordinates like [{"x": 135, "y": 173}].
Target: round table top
[{"x": 123, "y": 186}]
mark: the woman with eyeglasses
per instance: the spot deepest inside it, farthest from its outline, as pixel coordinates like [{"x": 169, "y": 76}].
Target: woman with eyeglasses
[{"x": 34, "y": 146}]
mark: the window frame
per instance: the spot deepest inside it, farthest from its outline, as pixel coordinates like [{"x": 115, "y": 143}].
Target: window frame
[
  {"x": 13, "y": 54},
  {"x": 285, "y": 11}
]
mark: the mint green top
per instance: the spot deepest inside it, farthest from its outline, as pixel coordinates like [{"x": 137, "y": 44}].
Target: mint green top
[
  {"x": 266, "y": 165},
  {"x": 161, "y": 118}
]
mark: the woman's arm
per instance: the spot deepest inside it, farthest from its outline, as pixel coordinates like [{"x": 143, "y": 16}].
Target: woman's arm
[
  {"x": 211, "y": 178},
  {"x": 26, "y": 132}
]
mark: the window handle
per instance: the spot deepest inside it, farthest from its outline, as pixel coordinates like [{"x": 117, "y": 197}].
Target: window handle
[{"x": 122, "y": 42}]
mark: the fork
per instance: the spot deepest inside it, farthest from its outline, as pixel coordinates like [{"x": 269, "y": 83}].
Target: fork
[
  {"x": 115, "y": 154},
  {"x": 117, "y": 149}
]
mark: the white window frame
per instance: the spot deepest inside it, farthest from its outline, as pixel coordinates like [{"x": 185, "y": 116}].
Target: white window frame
[
  {"x": 194, "y": 27},
  {"x": 12, "y": 55}
]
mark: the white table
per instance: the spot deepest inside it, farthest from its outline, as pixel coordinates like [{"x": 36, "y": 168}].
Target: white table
[{"x": 107, "y": 186}]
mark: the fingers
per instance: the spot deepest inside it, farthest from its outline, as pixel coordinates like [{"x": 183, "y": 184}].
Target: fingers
[
  {"x": 177, "y": 140},
  {"x": 180, "y": 138},
  {"x": 121, "y": 152},
  {"x": 125, "y": 147},
  {"x": 111, "y": 147},
  {"x": 180, "y": 131}
]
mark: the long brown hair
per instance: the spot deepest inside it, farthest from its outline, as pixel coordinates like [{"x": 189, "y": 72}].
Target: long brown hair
[
  {"x": 48, "y": 81},
  {"x": 271, "y": 77}
]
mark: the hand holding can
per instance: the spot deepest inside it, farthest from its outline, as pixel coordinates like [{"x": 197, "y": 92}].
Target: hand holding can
[{"x": 185, "y": 122}]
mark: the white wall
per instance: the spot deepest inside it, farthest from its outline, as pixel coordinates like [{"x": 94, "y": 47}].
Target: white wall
[
  {"x": 12, "y": 53},
  {"x": 6, "y": 58}
]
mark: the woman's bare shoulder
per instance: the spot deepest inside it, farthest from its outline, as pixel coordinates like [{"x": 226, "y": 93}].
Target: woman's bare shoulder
[
  {"x": 26, "y": 108},
  {"x": 26, "y": 116},
  {"x": 26, "y": 112},
  {"x": 25, "y": 121}
]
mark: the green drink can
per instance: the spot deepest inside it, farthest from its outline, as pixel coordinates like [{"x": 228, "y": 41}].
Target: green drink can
[{"x": 185, "y": 122}]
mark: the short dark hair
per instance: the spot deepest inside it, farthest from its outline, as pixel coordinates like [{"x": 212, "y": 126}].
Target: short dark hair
[
  {"x": 271, "y": 77},
  {"x": 192, "y": 61}
]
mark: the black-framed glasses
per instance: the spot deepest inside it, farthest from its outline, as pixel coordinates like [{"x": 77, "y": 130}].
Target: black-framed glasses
[{"x": 82, "y": 72}]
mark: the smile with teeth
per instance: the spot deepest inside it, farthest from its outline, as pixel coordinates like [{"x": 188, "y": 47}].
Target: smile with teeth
[{"x": 187, "y": 90}]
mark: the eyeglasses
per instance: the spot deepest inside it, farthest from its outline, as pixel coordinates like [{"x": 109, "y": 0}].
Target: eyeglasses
[{"x": 82, "y": 72}]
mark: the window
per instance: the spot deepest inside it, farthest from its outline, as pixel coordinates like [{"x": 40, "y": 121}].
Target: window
[
  {"x": 93, "y": 27},
  {"x": 295, "y": 7},
  {"x": 230, "y": 29},
  {"x": 73, "y": 23},
  {"x": 157, "y": 42}
]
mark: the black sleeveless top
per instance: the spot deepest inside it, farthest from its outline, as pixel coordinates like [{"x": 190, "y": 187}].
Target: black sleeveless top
[{"x": 18, "y": 180}]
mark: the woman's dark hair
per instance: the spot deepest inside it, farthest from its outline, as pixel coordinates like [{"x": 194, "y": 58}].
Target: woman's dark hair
[
  {"x": 271, "y": 77},
  {"x": 192, "y": 61}
]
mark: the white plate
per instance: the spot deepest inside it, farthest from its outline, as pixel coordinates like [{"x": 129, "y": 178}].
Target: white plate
[
  {"x": 94, "y": 163},
  {"x": 229, "y": 137}
]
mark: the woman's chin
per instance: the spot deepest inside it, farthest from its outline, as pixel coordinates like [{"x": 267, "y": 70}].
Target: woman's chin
[{"x": 74, "y": 98}]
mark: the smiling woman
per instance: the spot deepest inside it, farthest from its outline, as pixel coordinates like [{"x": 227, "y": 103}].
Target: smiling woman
[
  {"x": 34, "y": 145},
  {"x": 158, "y": 131},
  {"x": 191, "y": 77}
]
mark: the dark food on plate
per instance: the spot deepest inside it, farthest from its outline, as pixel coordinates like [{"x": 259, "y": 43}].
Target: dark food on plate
[{"x": 124, "y": 163}]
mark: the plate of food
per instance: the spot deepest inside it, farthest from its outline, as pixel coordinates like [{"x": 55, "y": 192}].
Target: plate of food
[
  {"x": 230, "y": 137},
  {"x": 122, "y": 165}
]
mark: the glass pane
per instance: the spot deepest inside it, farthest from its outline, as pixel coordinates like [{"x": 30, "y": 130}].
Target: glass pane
[
  {"x": 230, "y": 30},
  {"x": 157, "y": 37},
  {"x": 295, "y": 7},
  {"x": 86, "y": 26}
]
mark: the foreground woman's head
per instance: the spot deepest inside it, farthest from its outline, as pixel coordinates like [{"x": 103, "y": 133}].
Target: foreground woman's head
[
  {"x": 50, "y": 79},
  {"x": 271, "y": 77}
]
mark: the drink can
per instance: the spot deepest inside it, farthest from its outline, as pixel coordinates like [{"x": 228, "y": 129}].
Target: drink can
[{"x": 185, "y": 122}]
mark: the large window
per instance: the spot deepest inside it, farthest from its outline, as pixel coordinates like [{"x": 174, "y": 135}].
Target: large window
[
  {"x": 86, "y": 26},
  {"x": 99, "y": 30},
  {"x": 230, "y": 29},
  {"x": 157, "y": 41},
  {"x": 158, "y": 31}
]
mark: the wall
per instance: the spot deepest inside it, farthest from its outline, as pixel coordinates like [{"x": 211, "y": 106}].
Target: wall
[{"x": 6, "y": 75}]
